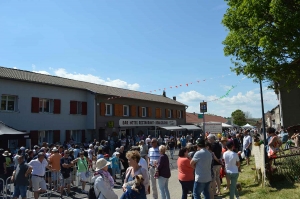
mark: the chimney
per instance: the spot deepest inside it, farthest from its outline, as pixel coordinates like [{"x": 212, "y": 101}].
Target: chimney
[
  {"x": 194, "y": 113},
  {"x": 174, "y": 98},
  {"x": 164, "y": 94}
]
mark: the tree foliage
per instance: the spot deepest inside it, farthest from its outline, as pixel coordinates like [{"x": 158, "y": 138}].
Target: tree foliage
[
  {"x": 264, "y": 39},
  {"x": 238, "y": 117}
]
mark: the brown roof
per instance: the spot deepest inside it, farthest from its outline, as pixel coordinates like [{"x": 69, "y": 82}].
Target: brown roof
[
  {"x": 192, "y": 118},
  {"x": 21, "y": 75}
]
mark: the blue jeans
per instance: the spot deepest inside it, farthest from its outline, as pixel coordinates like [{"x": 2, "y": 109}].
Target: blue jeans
[
  {"x": 201, "y": 187},
  {"x": 172, "y": 152},
  {"x": 163, "y": 187},
  {"x": 233, "y": 180},
  {"x": 20, "y": 190},
  {"x": 186, "y": 187}
]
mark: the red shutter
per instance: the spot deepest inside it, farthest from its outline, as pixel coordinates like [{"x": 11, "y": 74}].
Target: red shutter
[
  {"x": 84, "y": 108},
  {"x": 132, "y": 111},
  {"x": 83, "y": 136},
  {"x": 57, "y": 105},
  {"x": 21, "y": 142},
  {"x": 149, "y": 110},
  {"x": 140, "y": 111},
  {"x": 34, "y": 135},
  {"x": 102, "y": 109},
  {"x": 56, "y": 136},
  {"x": 73, "y": 107},
  {"x": 35, "y": 102},
  {"x": 68, "y": 135}
]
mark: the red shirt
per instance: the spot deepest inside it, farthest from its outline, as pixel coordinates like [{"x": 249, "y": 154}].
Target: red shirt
[{"x": 185, "y": 171}]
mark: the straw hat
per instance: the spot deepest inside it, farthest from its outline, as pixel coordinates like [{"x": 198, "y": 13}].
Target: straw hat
[
  {"x": 6, "y": 153},
  {"x": 101, "y": 163},
  {"x": 224, "y": 139},
  {"x": 54, "y": 149}
]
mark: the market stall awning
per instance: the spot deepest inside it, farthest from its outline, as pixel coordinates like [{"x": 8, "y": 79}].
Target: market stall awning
[
  {"x": 172, "y": 128},
  {"x": 5, "y": 130},
  {"x": 191, "y": 127}
]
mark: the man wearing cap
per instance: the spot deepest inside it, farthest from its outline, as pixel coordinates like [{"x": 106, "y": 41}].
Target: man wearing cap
[
  {"x": 201, "y": 162},
  {"x": 247, "y": 142},
  {"x": 54, "y": 162},
  {"x": 20, "y": 178},
  {"x": 153, "y": 156},
  {"x": 39, "y": 166},
  {"x": 65, "y": 169},
  {"x": 217, "y": 150}
]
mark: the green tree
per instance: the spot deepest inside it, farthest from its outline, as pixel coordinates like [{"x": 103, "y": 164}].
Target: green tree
[
  {"x": 264, "y": 40},
  {"x": 238, "y": 117}
]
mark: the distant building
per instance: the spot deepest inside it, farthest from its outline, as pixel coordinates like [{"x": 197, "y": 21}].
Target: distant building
[
  {"x": 192, "y": 118},
  {"x": 272, "y": 118}
]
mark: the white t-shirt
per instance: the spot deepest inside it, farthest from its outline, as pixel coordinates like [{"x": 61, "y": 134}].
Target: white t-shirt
[
  {"x": 246, "y": 141},
  {"x": 147, "y": 140},
  {"x": 230, "y": 159},
  {"x": 143, "y": 163},
  {"x": 38, "y": 168}
]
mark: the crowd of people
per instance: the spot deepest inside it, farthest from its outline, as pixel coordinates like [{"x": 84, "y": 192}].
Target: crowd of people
[{"x": 142, "y": 164}]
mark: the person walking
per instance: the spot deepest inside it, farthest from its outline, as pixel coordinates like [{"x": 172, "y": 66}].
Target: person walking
[
  {"x": 39, "y": 166},
  {"x": 153, "y": 156},
  {"x": 185, "y": 172},
  {"x": 54, "y": 162},
  {"x": 247, "y": 142},
  {"x": 232, "y": 163},
  {"x": 201, "y": 162},
  {"x": 103, "y": 181},
  {"x": 171, "y": 145},
  {"x": 164, "y": 173},
  {"x": 20, "y": 178}
]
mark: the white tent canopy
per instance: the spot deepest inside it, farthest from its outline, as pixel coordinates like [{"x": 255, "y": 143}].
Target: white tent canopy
[
  {"x": 226, "y": 125},
  {"x": 248, "y": 126},
  {"x": 5, "y": 130}
]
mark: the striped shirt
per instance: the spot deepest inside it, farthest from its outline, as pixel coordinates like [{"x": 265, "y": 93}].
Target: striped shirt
[{"x": 153, "y": 155}]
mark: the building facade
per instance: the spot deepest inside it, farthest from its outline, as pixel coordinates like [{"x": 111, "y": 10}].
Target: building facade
[{"x": 55, "y": 109}]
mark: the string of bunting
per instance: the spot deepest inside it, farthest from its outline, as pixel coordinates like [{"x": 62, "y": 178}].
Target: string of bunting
[{"x": 170, "y": 87}]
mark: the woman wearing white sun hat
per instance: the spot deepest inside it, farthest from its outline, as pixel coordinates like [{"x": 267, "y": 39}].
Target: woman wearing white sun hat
[{"x": 103, "y": 181}]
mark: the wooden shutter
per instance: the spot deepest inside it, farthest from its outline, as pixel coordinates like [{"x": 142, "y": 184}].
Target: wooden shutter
[
  {"x": 34, "y": 136},
  {"x": 84, "y": 108},
  {"x": 117, "y": 110},
  {"x": 102, "y": 109},
  {"x": 156, "y": 113},
  {"x": 83, "y": 136},
  {"x": 121, "y": 110},
  {"x": 149, "y": 110},
  {"x": 57, "y": 105},
  {"x": 166, "y": 113},
  {"x": 56, "y": 136},
  {"x": 174, "y": 113},
  {"x": 133, "y": 111},
  {"x": 183, "y": 114},
  {"x": 140, "y": 111},
  {"x": 68, "y": 135},
  {"x": 22, "y": 142},
  {"x": 73, "y": 107},
  {"x": 35, "y": 103}
]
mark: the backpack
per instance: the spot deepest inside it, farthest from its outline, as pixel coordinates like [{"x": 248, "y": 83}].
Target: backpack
[{"x": 91, "y": 193}]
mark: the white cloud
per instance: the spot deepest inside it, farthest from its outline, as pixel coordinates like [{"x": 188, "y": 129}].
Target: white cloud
[
  {"x": 61, "y": 72},
  {"x": 15, "y": 68},
  {"x": 42, "y": 72},
  {"x": 246, "y": 101}
]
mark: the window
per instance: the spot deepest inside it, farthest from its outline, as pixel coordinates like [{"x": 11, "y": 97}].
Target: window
[
  {"x": 9, "y": 103},
  {"x": 169, "y": 113},
  {"x": 125, "y": 110},
  {"x": 46, "y": 105},
  {"x": 108, "y": 109},
  {"x": 179, "y": 114},
  {"x": 79, "y": 107},
  {"x": 76, "y": 136},
  {"x": 45, "y": 136},
  {"x": 144, "y": 112}
]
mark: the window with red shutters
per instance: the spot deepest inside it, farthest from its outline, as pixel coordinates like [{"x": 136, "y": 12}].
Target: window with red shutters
[
  {"x": 84, "y": 108},
  {"x": 73, "y": 107},
  {"x": 57, "y": 105},
  {"x": 35, "y": 105}
]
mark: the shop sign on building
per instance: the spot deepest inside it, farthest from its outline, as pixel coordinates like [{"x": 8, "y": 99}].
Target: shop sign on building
[{"x": 143, "y": 122}]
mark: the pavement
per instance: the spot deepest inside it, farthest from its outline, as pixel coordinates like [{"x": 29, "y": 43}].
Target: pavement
[{"x": 174, "y": 187}]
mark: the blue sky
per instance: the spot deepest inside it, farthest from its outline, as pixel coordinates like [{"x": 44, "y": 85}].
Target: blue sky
[{"x": 140, "y": 45}]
